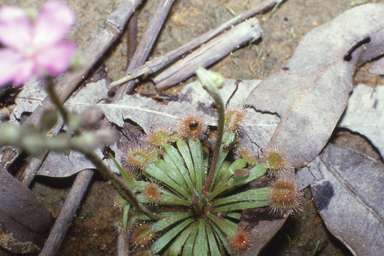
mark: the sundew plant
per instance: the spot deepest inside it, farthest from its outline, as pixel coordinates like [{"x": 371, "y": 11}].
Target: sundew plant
[
  {"x": 180, "y": 197},
  {"x": 197, "y": 194}
]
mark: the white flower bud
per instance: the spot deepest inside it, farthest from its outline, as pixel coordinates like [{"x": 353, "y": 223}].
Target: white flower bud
[
  {"x": 9, "y": 134},
  {"x": 33, "y": 144},
  {"x": 87, "y": 141}
]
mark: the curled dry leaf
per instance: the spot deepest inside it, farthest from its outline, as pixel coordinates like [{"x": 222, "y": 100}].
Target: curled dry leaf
[
  {"x": 311, "y": 90},
  {"x": 349, "y": 195}
]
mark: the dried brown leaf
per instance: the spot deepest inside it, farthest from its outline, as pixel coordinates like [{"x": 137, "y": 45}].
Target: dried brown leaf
[
  {"x": 311, "y": 90},
  {"x": 349, "y": 195}
]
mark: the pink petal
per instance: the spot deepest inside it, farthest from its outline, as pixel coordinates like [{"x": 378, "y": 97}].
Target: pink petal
[
  {"x": 56, "y": 59},
  {"x": 15, "y": 27},
  {"x": 10, "y": 65},
  {"x": 26, "y": 69},
  {"x": 52, "y": 24}
]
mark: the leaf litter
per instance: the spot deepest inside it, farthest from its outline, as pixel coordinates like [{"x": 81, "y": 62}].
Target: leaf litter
[{"x": 309, "y": 93}]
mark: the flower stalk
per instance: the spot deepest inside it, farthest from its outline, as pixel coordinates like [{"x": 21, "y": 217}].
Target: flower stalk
[
  {"x": 211, "y": 82},
  {"x": 50, "y": 88}
]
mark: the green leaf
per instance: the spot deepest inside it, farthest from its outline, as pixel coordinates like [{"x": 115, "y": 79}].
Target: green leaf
[
  {"x": 164, "y": 223},
  {"x": 224, "y": 169},
  {"x": 201, "y": 245},
  {"x": 226, "y": 227},
  {"x": 159, "y": 174},
  {"x": 160, "y": 243},
  {"x": 125, "y": 216},
  {"x": 170, "y": 168},
  {"x": 233, "y": 215},
  {"x": 206, "y": 163},
  {"x": 188, "y": 246},
  {"x": 213, "y": 247},
  {"x": 198, "y": 160},
  {"x": 175, "y": 248},
  {"x": 126, "y": 176},
  {"x": 256, "y": 172},
  {"x": 260, "y": 194},
  {"x": 238, "y": 164},
  {"x": 241, "y": 206},
  {"x": 165, "y": 200},
  {"x": 170, "y": 199},
  {"x": 176, "y": 158},
  {"x": 220, "y": 235},
  {"x": 186, "y": 154},
  {"x": 234, "y": 181}
]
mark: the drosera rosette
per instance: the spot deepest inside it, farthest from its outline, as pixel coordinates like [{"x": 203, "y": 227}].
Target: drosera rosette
[{"x": 199, "y": 197}]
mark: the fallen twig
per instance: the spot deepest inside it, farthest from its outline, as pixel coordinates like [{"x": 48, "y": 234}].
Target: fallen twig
[
  {"x": 69, "y": 209},
  {"x": 209, "y": 53},
  {"x": 161, "y": 61},
  {"x": 131, "y": 40},
  {"x": 144, "y": 49}
]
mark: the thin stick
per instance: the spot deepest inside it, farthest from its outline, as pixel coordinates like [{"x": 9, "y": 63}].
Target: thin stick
[
  {"x": 122, "y": 245},
  {"x": 146, "y": 44},
  {"x": 69, "y": 209},
  {"x": 161, "y": 61},
  {"x": 132, "y": 37}
]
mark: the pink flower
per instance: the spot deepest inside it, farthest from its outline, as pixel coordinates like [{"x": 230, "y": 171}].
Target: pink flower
[{"x": 35, "y": 47}]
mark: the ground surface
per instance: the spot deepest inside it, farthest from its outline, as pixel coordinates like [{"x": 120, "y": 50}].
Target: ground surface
[{"x": 93, "y": 232}]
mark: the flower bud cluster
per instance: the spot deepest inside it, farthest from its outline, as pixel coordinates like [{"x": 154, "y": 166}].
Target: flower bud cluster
[{"x": 33, "y": 141}]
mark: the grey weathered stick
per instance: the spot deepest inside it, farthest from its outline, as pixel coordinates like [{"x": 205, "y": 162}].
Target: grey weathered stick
[
  {"x": 122, "y": 245},
  {"x": 132, "y": 37},
  {"x": 68, "y": 211},
  {"x": 146, "y": 43},
  {"x": 209, "y": 53},
  {"x": 113, "y": 26},
  {"x": 158, "y": 63}
]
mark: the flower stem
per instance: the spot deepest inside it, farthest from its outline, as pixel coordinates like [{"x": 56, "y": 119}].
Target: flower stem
[
  {"x": 56, "y": 100},
  {"x": 122, "y": 188},
  {"x": 211, "y": 82}
]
